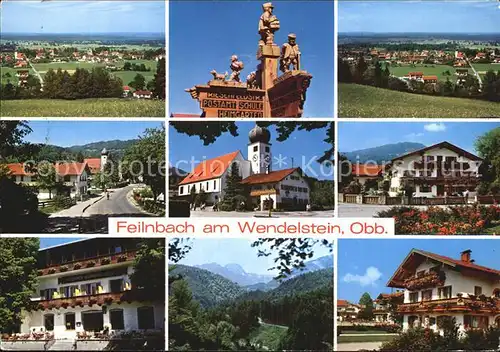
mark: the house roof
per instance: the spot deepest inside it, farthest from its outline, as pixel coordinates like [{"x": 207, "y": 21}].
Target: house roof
[
  {"x": 445, "y": 145},
  {"x": 271, "y": 177},
  {"x": 142, "y": 92},
  {"x": 430, "y": 78},
  {"x": 93, "y": 163},
  {"x": 126, "y": 88},
  {"x": 211, "y": 168},
  {"x": 416, "y": 256},
  {"x": 62, "y": 169},
  {"x": 342, "y": 303},
  {"x": 366, "y": 170},
  {"x": 415, "y": 73},
  {"x": 66, "y": 169}
]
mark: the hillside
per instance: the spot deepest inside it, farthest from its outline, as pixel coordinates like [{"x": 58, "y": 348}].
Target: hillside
[
  {"x": 208, "y": 288},
  {"x": 114, "y": 147},
  {"x": 304, "y": 283},
  {"x": 382, "y": 153},
  {"x": 365, "y": 101}
]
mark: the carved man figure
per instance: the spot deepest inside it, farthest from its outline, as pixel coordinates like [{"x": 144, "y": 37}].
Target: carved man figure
[
  {"x": 236, "y": 66},
  {"x": 268, "y": 24},
  {"x": 290, "y": 54}
]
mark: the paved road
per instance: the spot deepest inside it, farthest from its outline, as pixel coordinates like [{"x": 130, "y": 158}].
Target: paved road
[
  {"x": 360, "y": 210},
  {"x": 356, "y": 346},
  {"x": 208, "y": 213},
  {"x": 118, "y": 204}
]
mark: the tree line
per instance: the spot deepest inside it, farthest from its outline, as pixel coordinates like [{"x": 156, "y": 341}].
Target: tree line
[{"x": 373, "y": 74}]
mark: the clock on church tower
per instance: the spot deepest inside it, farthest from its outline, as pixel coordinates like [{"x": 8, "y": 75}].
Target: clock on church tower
[{"x": 259, "y": 150}]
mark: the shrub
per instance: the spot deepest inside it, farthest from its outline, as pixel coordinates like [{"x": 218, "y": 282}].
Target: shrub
[
  {"x": 178, "y": 209},
  {"x": 146, "y": 193},
  {"x": 61, "y": 201}
]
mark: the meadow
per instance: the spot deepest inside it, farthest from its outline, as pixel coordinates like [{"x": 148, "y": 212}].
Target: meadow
[
  {"x": 366, "y": 101},
  {"x": 126, "y": 76},
  {"x": 438, "y": 70},
  {"x": 104, "y": 107}
]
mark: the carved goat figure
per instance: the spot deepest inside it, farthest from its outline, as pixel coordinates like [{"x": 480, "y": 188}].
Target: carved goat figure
[{"x": 219, "y": 76}]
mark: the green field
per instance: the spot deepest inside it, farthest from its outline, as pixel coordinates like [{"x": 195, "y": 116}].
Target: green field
[
  {"x": 365, "y": 101},
  {"x": 269, "y": 336},
  {"x": 483, "y": 68},
  {"x": 428, "y": 70},
  {"x": 112, "y": 107},
  {"x": 126, "y": 76}
]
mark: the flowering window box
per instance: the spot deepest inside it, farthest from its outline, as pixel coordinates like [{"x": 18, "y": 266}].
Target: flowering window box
[{"x": 431, "y": 279}]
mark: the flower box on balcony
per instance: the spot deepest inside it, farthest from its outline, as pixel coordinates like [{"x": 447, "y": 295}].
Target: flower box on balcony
[
  {"x": 77, "y": 266},
  {"x": 105, "y": 261},
  {"x": 63, "y": 269},
  {"x": 90, "y": 264},
  {"x": 40, "y": 272},
  {"x": 431, "y": 279},
  {"x": 122, "y": 258},
  {"x": 51, "y": 271}
]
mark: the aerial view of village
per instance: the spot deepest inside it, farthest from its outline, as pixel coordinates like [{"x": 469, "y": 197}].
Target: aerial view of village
[
  {"x": 243, "y": 169},
  {"x": 421, "y": 295},
  {"x": 424, "y": 66},
  {"x": 237, "y": 294},
  {"x": 82, "y": 294},
  {"x": 80, "y": 59},
  {"x": 71, "y": 176},
  {"x": 432, "y": 178},
  {"x": 273, "y": 64}
]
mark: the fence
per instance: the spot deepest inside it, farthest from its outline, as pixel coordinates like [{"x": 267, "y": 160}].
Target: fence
[
  {"x": 62, "y": 203},
  {"x": 403, "y": 200}
]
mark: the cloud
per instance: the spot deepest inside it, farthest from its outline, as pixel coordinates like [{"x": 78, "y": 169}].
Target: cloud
[
  {"x": 370, "y": 277},
  {"x": 435, "y": 127}
]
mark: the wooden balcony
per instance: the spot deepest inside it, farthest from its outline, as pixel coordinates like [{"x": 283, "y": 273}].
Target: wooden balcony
[
  {"x": 98, "y": 261},
  {"x": 490, "y": 306},
  {"x": 429, "y": 280},
  {"x": 90, "y": 300}
]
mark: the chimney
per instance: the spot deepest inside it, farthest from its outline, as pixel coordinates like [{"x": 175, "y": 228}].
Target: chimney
[{"x": 465, "y": 256}]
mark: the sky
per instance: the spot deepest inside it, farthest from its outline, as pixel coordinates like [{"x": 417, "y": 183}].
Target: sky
[
  {"x": 367, "y": 265},
  {"x": 356, "y": 135},
  {"x": 238, "y": 251},
  {"x": 301, "y": 145},
  {"x": 77, "y": 16},
  {"x": 53, "y": 241},
  {"x": 70, "y": 133},
  {"x": 204, "y": 35},
  {"x": 419, "y": 16}
]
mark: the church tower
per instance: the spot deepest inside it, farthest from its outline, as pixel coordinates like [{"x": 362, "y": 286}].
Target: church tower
[
  {"x": 104, "y": 158},
  {"x": 259, "y": 150}
]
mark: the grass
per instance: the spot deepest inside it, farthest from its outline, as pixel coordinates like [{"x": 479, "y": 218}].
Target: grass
[
  {"x": 269, "y": 336},
  {"x": 49, "y": 209},
  {"x": 428, "y": 70},
  {"x": 365, "y": 338},
  {"x": 365, "y": 101},
  {"x": 109, "y": 107}
]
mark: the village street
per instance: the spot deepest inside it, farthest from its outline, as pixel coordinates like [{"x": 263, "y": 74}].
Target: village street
[{"x": 92, "y": 215}]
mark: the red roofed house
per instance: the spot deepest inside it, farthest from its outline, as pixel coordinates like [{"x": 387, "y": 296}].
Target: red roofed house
[
  {"x": 97, "y": 164},
  {"x": 436, "y": 286},
  {"x": 418, "y": 76},
  {"x": 286, "y": 189},
  {"x": 72, "y": 175},
  {"x": 430, "y": 79},
  {"x": 347, "y": 311},
  {"x": 143, "y": 94},
  {"x": 363, "y": 173},
  {"x": 22, "y": 77},
  {"x": 126, "y": 91},
  {"x": 435, "y": 171}
]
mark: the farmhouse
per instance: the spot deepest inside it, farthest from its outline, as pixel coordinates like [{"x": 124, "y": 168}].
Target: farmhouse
[
  {"x": 430, "y": 79},
  {"x": 286, "y": 188},
  {"x": 438, "y": 170},
  {"x": 347, "y": 311},
  {"x": 436, "y": 286},
  {"x": 72, "y": 175},
  {"x": 22, "y": 76},
  {"x": 84, "y": 287},
  {"x": 143, "y": 94}
]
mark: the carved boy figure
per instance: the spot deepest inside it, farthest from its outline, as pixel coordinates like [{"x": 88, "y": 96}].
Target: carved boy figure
[
  {"x": 290, "y": 54},
  {"x": 268, "y": 24},
  {"x": 252, "y": 80},
  {"x": 236, "y": 66}
]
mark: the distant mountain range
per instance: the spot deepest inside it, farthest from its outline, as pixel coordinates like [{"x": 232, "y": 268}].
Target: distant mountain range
[
  {"x": 114, "y": 147},
  {"x": 211, "y": 289},
  {"x": 382, "y": 153}
]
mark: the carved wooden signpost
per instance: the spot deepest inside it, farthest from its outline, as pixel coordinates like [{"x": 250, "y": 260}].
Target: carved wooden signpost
[{"x": 265, "y": 93}]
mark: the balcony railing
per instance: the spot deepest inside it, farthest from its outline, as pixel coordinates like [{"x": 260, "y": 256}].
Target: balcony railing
[
  {"x": 457, "y": 304},
  {"x": 431, "y": 279},
  {"x": 89, "y": 263},
  {"x": 90, "y": 300}
]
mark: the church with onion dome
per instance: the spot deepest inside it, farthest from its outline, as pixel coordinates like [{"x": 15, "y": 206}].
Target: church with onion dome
[{"x": 285, "y": 189}]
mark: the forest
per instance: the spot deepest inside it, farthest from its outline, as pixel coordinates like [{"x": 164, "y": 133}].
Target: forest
[{"x": 210, "y": 312}]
